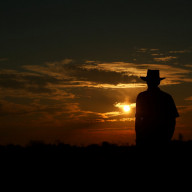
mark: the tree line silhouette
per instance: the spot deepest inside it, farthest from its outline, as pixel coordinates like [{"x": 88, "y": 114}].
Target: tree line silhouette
[{"x": 38, "y": 150}]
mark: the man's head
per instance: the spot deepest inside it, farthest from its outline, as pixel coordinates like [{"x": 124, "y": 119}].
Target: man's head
[
  {"x": 153, "y": 84},
  {"x": 152, "y": 79}
]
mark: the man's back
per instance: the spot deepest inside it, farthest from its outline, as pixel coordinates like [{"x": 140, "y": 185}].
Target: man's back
[
  {"x": 155, "y": 103},
  {"x": 155, "y": 116}
]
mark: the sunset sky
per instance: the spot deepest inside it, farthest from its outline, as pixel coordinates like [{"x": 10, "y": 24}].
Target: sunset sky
[{"x": 68, "y": 67}]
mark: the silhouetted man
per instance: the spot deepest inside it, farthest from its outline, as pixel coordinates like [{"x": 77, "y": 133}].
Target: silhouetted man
[{"x": 155, "y": 113}]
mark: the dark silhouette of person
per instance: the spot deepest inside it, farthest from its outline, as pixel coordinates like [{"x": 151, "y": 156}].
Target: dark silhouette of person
[{"x": 155, "y": 113}]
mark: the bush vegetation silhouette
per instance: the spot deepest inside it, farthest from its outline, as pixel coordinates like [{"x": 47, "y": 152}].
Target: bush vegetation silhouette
[{"x": 37, "y": 150}]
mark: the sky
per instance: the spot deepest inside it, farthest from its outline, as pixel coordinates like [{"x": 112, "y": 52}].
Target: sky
[{"x": 68, "y": 67}]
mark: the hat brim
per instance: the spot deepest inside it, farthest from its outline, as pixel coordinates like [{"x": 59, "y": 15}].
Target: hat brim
[{"x": 146, "y": 79}]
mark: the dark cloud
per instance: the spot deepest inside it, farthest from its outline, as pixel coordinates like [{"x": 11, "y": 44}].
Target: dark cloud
[
  {"x": 31, "y": 83},
  {"x": 10, "y": 81},
  {"x": 76, "y": 73},
  {"x": 104, "y": 77},
  {"x": 96, "y": 100}
]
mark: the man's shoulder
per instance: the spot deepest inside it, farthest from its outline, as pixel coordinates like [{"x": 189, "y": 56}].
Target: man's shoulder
[
  {"x": 161, "y": 93},
  {"x": 141, "y": 94},
  {"x": 165, "y": 94}
]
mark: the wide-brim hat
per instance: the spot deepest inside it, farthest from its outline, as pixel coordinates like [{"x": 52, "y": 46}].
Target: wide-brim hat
[{"x": 152, "y": 75}]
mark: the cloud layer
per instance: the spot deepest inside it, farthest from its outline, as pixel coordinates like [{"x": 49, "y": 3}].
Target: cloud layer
[
  {"x": 56, "y": 88},
  {"x": 70, "y": 93}
]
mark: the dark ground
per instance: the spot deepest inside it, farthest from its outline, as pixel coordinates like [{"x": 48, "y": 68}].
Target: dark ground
[
  {"x": 107, "y": 164},
  {"x": 37, "y": 151}
]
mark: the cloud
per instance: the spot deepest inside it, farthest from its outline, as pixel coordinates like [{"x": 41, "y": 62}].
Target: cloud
[
  {"x": 80, "y": 75},
  {"x": 121, "y": 105},
  {"x": 188, "y": 98},
  {"x": 116, "y": 116},
  {"x": 68, "y": 90},
  {"x": 164, "y": 59},
  {"x": 154, "y": 50},
  {"x": 180, "y": 51},
  {"x": 142, "y": 50},
  {"x": 189, "y": 65},
  {"x": 104, "y": 77},
  {"x": 156, "y": 54},
  {"x": 4, "y": 59},
  {"x": 9, "y": 108},
  {"x": 69, "y": 73},
  {"x": 185, "y": 109},
  {"x": 54, "y": 78},
  {"x": 32, "y": 82},
  {"x": 38, "y": 113},
  {"x": 174, "y": 74}
]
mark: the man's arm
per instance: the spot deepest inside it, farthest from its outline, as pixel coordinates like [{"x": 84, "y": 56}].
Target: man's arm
[{"x": 172, "y": 108}]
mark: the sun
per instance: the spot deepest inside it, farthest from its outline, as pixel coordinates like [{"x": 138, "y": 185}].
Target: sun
[{"x": 126, "y": 108}]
